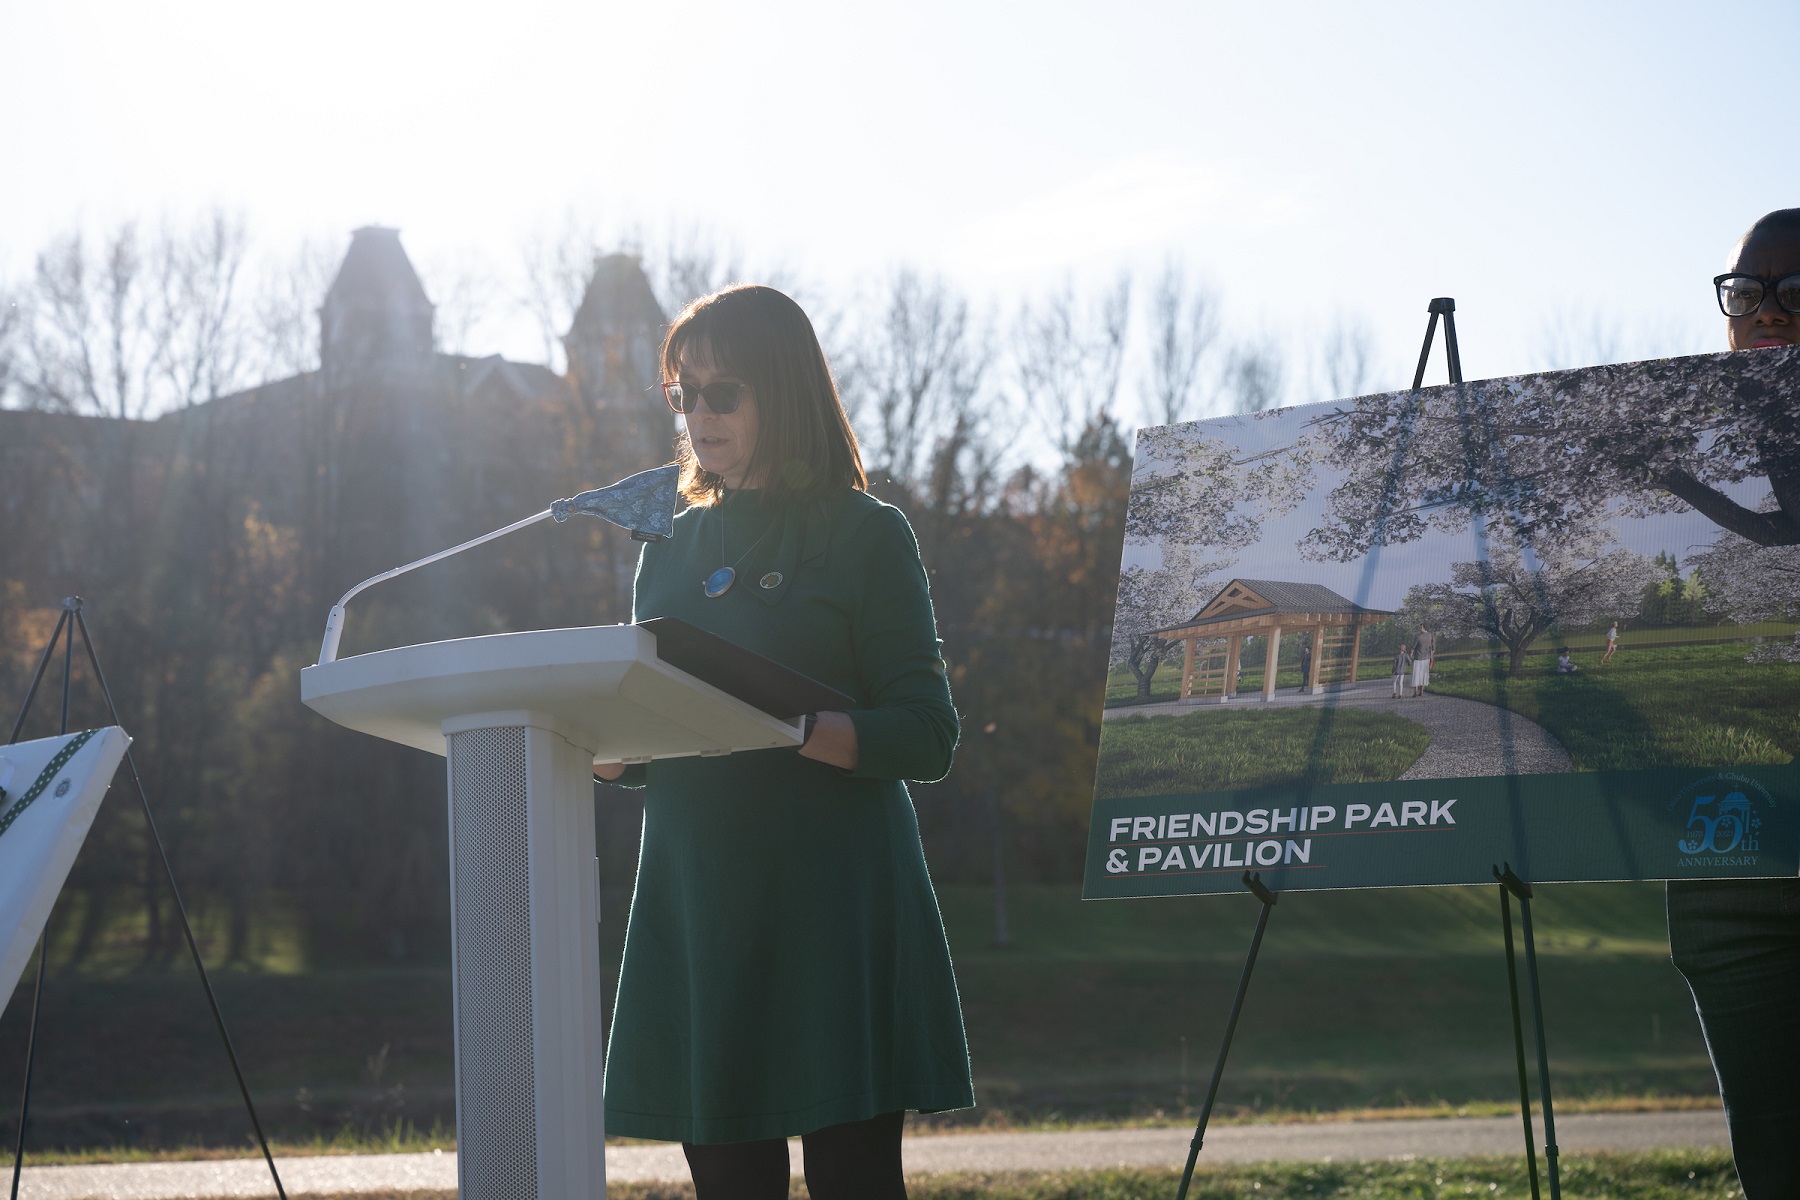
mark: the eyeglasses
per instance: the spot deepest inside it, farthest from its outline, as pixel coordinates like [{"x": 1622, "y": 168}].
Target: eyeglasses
[
  {"x": 722, "y": 396},
  {"x": 1741, "y": 295}
]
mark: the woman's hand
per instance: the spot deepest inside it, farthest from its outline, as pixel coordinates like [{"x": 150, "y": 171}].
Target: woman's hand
[
  {"x": 833, "y": 740},
  {"x": 609, "y": 771}
]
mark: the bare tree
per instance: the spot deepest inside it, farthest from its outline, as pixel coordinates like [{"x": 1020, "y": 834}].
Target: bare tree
[
  {"x": 123, "y": 330},
  {"x": 1254, "y": 377},
  {"x": 1067, "y": 352},
  {"x": 1184, "y": 321},
  {"x": 1569, "y": 338},
  {"x": 686, "y": 263},
  {"x": 87, "y": 344},
  {"x": 202, "y": 342},
  {"x": 557, "y": 267},
  {"x": 462, "y": 288},
  {"x": 12, "y": 320},
  {"x": 1346, "y": 358},
  {"x": 915, "y": 375},
  {"x": 287, "y": 309}
]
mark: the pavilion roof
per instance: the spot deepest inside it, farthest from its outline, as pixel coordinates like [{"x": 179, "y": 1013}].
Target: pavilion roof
[{"x": 1242, "y": 598}]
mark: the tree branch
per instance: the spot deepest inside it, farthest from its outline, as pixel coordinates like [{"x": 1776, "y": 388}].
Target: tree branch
[{"x": 1765, "y": 529}]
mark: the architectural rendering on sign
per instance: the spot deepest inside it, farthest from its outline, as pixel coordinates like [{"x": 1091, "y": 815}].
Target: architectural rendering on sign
[{"x": 1548, "y": 605}]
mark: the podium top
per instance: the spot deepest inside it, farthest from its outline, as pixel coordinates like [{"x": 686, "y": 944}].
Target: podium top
[{"x": 602, "y": 687}]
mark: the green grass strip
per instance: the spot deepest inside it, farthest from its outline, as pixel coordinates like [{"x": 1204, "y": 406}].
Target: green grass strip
[
  {"x": 1659, "y": 1175},
  {"x": 1219, "y": 751}
]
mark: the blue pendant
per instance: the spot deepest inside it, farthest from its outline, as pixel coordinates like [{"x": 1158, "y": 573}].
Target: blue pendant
[{"x": 719, "y": 582}]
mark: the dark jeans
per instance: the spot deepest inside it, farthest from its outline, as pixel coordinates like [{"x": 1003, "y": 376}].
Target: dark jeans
[
  {"x": 1738, "y": 944},
  {"x": 858, "y": 1160}
]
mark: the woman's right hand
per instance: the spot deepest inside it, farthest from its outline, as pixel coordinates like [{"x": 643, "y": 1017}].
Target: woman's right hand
[{"x": 607, "y": 772}]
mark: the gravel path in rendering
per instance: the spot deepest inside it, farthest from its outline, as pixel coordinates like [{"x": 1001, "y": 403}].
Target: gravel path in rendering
[
  {"x": 1467, "y": 736},
  {"x": 350, "y": 1175}
]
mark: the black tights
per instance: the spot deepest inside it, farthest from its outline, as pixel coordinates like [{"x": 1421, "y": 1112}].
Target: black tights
[{"x": 858, "y": 1160}]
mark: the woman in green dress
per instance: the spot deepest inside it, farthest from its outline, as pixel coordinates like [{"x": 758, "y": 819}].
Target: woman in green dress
[{"x": 785, "y": 967}]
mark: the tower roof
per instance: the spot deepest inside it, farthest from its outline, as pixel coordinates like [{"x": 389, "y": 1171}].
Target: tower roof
[
  {"x": 376, "y": 273},
  {"x": 618, "y": 297},
  {"x": 376, "y": 309}
]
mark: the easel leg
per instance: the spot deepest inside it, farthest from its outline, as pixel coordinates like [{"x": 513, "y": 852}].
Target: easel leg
[
  {"x": 1268, "y": 898},
  {"x": 187, "y": 928},
  {"x": 66, "y": 626},
  {"x": 37, "y": 1004},
  {"x": 1512, "y": 994},
  {"x": 67, "y": 632},
  {"x": 1522, "y": 890}
]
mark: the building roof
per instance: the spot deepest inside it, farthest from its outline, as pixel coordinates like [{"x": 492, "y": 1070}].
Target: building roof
[
  {"x": 618, "y": 297},
  {"x": 375, "y": 311},
  {"x": 376, "y": 273},
  {"x": 1269, "y": 597}
]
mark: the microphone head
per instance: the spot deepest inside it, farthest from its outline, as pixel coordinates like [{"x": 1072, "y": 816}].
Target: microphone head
[{"x": 643, "y": 503}]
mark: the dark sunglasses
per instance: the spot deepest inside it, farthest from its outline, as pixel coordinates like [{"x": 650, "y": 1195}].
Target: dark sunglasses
[
  {"x": 722, "y": 396},
  {"x": 1741, "y": 295}
]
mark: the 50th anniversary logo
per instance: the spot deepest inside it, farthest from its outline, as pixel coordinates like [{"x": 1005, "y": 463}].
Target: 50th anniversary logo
[{"x": 1591, "y": 826}]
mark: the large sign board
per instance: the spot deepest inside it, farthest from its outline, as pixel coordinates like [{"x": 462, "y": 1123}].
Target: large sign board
[
  {"x": 1550, "y": 620},
  {"x": 50, "y": 790}
]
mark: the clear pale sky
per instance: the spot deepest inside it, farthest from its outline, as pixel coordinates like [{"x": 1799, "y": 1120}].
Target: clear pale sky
[{"x": 1540, "y": 162}]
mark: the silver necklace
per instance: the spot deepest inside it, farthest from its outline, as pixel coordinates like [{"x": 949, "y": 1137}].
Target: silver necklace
[{"x": 720, "y": 581}]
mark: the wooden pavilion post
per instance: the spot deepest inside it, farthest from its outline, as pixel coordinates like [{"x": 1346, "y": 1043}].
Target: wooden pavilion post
[
  {"x": 1233, "y": 653},
  {"x": 1187, "y": 666},
  {"x": 1355, "y": 649},
  {"x": 1318, "y": 657},
  {"x": 1271, "y": 663}
]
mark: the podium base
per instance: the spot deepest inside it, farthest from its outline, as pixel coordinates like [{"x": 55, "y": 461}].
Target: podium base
[{"x": 526, "y": 961}]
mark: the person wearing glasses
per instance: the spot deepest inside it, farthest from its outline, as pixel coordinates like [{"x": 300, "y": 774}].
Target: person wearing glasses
[
  {"x": 785, "y": 968},
  {"x": 1737, "y": 942}
]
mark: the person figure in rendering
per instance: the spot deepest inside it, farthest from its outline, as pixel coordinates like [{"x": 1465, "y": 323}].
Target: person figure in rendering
[
  {"x": 1737, "y": 942},
  {"x": 1424, "y": 649},
  {"x": 1565, "y": 665},
  {"x": 1305, "y": 665},
  {"x": 785, "y": 971},
  {"x": 1612, "y": 644},
  {"x": 1402, "y": 665}
]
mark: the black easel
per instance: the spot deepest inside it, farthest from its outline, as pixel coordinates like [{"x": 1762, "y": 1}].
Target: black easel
[
  {"x": 1513, "y": 885},
  {"x": 1443, "y": 307},
  {"x": 67, "y": 624},
  {"x": 1510, "y": 884},
  {"x": 1268, "y": 898}
]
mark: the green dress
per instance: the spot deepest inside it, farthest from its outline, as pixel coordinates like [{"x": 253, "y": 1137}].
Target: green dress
[{"x": 785, "y": 964}]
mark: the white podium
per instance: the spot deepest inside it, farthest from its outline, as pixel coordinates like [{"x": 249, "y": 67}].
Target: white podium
[{"x": 522, "y": 719}]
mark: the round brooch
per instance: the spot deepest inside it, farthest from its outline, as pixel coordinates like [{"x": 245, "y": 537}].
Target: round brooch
[
  {"x": 719, "y": 582},
  {"x": 770, "y": 582}
]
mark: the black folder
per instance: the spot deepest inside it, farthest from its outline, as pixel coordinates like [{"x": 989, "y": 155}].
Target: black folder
[{"x": 759, "y": 682}]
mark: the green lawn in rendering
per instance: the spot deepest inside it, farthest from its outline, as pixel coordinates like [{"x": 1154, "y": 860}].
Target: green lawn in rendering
[
  {"x": 1159, "y": 755},
  {"x": 1651, "y": 706},
  {"x": 1121, "y": 688}
]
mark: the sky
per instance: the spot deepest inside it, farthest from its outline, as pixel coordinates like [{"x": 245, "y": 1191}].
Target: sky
[{"x": 1559, "y": 169}]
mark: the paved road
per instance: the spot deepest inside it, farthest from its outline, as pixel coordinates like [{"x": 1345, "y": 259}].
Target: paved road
[
  {"x": 1467, "y": 736},
  {"x": 347, "y": 1175}
]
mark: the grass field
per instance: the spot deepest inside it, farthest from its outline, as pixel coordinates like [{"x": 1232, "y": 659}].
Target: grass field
[
  {"x": 1650, "y": 706},
  {"x": 1665, "y": 1175},
  {"x": 1216, "y": 751},
  {"x": 1662, "y": 1176},
  {"x": 1096, "y": 1012}
]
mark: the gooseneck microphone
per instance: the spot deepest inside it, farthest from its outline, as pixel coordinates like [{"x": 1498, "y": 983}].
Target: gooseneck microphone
[{"x": 643, "y": 503}]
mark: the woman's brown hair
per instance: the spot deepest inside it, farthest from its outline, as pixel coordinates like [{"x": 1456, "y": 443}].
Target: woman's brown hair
[{"x": 804, "y": 444}]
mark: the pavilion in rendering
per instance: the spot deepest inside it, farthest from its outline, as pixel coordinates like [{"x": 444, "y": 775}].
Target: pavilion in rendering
[{"x": 1213, "y": 638}]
